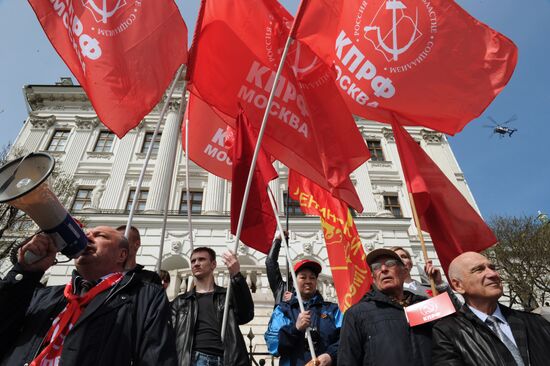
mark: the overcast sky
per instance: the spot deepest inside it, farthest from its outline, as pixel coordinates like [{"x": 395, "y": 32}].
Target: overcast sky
[{"x": 508, "y": 176}]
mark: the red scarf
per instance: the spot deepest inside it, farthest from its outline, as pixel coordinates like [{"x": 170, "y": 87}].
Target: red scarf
[{"x": 65, "y": 321}]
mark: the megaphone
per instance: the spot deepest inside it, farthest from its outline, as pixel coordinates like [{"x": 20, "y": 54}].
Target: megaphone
[{"x": 23, "y": 185}]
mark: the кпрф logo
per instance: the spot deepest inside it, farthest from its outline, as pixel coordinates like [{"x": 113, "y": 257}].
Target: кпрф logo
[
  {"x": 105, "y": 9},
  {"x": 402, "y": 31}
]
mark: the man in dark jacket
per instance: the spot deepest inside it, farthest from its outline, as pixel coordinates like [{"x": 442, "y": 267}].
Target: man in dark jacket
[
  {"x": 485, "y": 332},
  {"x": 281, "y": 289},
  {"x": 375, "y": 330},
  {"x": 102, "y": 317},
  {"x": 285, "y": 335},
  {"x": 197, "y": 315}
]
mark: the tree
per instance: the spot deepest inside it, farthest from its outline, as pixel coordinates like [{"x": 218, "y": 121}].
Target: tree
[
  {"x": 523, "y": 259},
  {"x": 14, "y": 223}
]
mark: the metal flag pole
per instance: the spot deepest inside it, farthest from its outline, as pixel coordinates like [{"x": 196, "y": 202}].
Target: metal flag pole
[
  {"x": 422, "y": 243},
  {"x": 150, "y": 150},
  {"x": 251, "y": 174},
  {"x": 287, "y": 211},
  {"x": 293, "y": 273},
  {"x": 188, "y": 192},
  {"x": 168, "y": 183}
]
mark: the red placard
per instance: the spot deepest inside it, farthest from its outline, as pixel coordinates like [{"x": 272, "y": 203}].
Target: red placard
[{"x": 430, "y": 310}]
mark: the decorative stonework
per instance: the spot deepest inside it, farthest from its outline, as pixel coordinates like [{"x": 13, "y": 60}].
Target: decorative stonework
[
  {"x": 86, "y": 123},
  {"x": 173, "y": 105},
  {"x": 431, "y": 137},
  {"x": 42, "y": 123},
  {"x": 388, "y": 134},
  {"x": 380, "y": 164},
  {"x": 99, "y": 155}
]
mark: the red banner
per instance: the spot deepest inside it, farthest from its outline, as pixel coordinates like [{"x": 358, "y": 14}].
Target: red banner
[
  {"x": 237, "y": 51},
  {"x": 207, "y": 138},
  {"x": 430, "y": 62},
  {"x": 454, "y": 226},
  {"x": 123, "y": 53},
  {"x": 429, "y": 310},
  {"x": 258, "y": 228},
  {"x": 350, "y": 272}
]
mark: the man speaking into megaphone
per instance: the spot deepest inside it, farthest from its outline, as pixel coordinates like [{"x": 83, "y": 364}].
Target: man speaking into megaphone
[{"x": 103, "y": 316}]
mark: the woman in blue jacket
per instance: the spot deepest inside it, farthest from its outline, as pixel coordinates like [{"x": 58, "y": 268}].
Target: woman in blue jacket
[{"x": 285, "y": 335}]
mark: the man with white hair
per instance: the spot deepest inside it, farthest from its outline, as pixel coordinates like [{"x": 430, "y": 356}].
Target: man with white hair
[{"x": 483, "y": 331}]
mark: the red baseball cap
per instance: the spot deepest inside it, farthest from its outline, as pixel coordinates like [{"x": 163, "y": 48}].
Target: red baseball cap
[{"x": 308, "y": 264}]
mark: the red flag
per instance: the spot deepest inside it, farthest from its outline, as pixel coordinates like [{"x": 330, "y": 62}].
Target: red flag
[
  {"x": 207, "y": 138},
  {"x": 429, "y": 62},
  {"x": 454, "y": 226},
  {"x": 347, "y": 258},
  {"x": 123, "y": 53},
  {"x": 259, "y": 222},
  {"x": 235, "y": 56}
]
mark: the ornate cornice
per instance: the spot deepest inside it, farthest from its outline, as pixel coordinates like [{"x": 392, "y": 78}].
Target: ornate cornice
[
  {"x": 42, "y": 122},
  {"x": 388, "y": 134},
  {"x": 431, "y": 137},
  {"x": 86, "y": 123}
]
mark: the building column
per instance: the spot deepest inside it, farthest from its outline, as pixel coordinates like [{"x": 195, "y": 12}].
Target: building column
[
  {"x": 84, "y": 128},
  {"x": 38, "y": 132},
  {"x": 215, "y": 188},
  {"x": 275, "y": 186},
  {"x": 168, "y": 144},
  {"x": 364, "y": 190}
]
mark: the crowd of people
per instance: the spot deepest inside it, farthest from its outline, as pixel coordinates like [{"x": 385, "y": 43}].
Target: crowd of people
[{"x": 114, "y": 312}]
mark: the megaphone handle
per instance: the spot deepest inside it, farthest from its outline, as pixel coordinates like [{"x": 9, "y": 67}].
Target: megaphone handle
[{"x": 31, "y": 258}]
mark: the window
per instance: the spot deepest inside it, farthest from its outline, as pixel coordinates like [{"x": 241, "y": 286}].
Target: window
[
  {"x": 375, "y": 149},
  {"x": 147, "y": 143},
  {"x": 83, "y": 198},
  {"x": 293, "y": 206},
  {"x": 391, "y": 203},
  {"x": 196, "y": 202},
  {"x": 59, "y": 140},
  {"x": 104, "y": 142},
  {"x": 142, "y": 200}
]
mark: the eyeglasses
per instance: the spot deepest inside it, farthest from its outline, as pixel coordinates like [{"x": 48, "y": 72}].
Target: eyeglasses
[{"x": 377, "y": 266}]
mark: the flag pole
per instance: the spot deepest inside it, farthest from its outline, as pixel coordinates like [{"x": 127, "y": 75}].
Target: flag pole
[
  {"x": 150, "y": 150},
  {"x": 293, "y": 274},
  {"x": 251, "y": 175},
  {"x": 421, "y": 237},
  {"x": 187, "y": 191},
  {"x": 168, "y": 183},
  {"x": 287, "y": 210}
]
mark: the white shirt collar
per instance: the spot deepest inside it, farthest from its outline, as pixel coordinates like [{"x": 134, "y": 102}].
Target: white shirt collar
[{"x": 482, "y": 316}]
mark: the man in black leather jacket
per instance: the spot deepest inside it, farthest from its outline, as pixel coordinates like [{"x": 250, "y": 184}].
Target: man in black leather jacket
[
  {"x": 280, "y": 288},
  {"x": 197, "y": 314},
  {"x": 375, "y": 330},
  {"x": 126, "y": 324},
  {"x": 470, "y": 337}
]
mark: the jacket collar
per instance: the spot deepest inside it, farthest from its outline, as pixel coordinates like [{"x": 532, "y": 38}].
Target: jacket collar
[
  {"x": 376, "y": 295},
  {"x": 316, "y": 299},
  {"x": 193, "y": 292}
]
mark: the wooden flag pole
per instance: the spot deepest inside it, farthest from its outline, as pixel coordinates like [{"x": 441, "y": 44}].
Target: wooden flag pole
[
  {"x": 251, "y": 175},
  {"x": 293, "y": 274},
  {"x": 150, "y": 150},
  {"x": 421, "y": 237},
  {"x": 168, "y": 183}
]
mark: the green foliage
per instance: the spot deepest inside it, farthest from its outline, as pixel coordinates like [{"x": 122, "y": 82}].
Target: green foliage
[{"x": 523, "y": 259}]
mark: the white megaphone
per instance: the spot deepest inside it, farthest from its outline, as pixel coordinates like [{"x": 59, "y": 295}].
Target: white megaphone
[{"x": 23, "y": 185}]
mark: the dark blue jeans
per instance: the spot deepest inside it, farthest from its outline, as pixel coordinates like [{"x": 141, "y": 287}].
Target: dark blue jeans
[{"x": 203, "y": 359}]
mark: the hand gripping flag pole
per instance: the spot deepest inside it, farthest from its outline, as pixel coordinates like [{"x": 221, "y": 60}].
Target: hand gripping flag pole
[
  {"x": 293, "y": 274},
  {"x": 150, "y": 150},
  {"x": 168, "y": 182},
  {"x": 251, "y": 174}
]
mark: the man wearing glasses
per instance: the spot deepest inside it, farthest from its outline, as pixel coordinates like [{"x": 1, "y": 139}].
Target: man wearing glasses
[{"x": 375, "y": 330}]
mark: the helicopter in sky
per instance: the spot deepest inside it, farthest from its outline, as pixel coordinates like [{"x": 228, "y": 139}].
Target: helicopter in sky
[{"x": 500, "y": 128}]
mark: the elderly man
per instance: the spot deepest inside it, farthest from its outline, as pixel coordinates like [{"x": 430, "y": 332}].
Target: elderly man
[
  {"x": 101, "y": 317},
  {"x": 375, "y": 330},
  {"x": 285, "y": 335},
  {"x": 197, "y": 314},
  {"x": 485, "y": 332},
  {"x": 134, "y": 241}
]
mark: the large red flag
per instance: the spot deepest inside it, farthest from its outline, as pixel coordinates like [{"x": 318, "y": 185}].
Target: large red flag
[
  {"x": 237, "y": 49},
  {"x": 208, "y": 134},
  {"x": 347, "y": 258},
  {"x": 123, "y": 53},
  {"x": 259, "y": 222},
  {"x": 430, "y": 62},
  {"x": 454, "y": 226}
]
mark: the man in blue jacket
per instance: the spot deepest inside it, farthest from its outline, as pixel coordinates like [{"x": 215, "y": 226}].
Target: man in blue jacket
[{"x": 286, "y": 332}]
